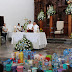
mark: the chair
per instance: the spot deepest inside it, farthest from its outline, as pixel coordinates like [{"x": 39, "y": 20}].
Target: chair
[{"x": 59, "y": 28}]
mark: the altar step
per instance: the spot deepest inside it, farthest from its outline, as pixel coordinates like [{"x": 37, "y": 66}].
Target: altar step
[{"x": 59, "y": 40}]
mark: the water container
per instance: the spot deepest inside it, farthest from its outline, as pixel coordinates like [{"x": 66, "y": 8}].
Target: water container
[
  {"x": 49, "y": 71},
  {"x": 25, "y": 68},
  {"x": 4, "y": 64},
  {"x": 32, "y": 55},
  {"x": 50, "y": 56},
  {"x": 14, "y": 68},
  {"x": 29, "y": 54},
  {"x": 9, "y": 61},
  {"x": 19, "y": 68},
  {"x": 8, "y": 67},
  {"x": 55, "y": 70},
  {"x": 34, "y": 69},
  {"x": 60, "y": 70},
  {"x": 21, "y": 55},
  {"x": 63, "y": 61},
  {"x": 24, "y": 52},
  {"x": 65, "y": 66},
  {"x": 65, "y": 52}
]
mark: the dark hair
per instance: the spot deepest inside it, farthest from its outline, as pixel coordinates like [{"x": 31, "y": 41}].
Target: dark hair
[
  {"x": 1, "y": 68},
  {"x": 18, "y": 23},
  {"x": 29, "y": 20},
  {"x": 35, "y": 21}
]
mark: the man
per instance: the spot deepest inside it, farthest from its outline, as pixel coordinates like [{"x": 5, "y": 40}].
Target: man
[
  {"x": 18, "y": 28},
  {"x": 4, "y": 31},
  {"x": 35, "y": 27},
  {"x": 30, "y": 26}
]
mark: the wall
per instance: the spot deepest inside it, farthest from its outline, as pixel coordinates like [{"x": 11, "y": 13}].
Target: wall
[{"x": 15, "y": 11}]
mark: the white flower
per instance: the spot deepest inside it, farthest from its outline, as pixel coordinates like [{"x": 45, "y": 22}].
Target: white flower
[{"x": 41, "y": 15}]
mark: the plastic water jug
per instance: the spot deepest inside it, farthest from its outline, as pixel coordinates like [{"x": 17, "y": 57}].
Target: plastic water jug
[
  {"x": 65, "y": 66},
  {"x": 21, "y": 55},
  {"x": 60, "y": 70},
  {"x": 14, "y": 68},
  {"x": 19, "y": 68},
  {"x": 34, "y": 69},
  {"x": 8, "y": 67}
]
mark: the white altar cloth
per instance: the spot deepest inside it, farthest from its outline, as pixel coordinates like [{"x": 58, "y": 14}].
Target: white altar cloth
[{"x": 38, "y": 39}]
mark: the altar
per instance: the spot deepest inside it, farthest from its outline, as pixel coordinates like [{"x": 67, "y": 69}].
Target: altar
[{"x": 38, "y": 39}]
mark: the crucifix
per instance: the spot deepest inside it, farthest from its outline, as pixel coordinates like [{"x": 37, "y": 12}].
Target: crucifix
[{"x": 26, "y": 20}]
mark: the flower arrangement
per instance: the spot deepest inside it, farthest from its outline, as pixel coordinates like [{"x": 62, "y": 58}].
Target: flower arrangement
[
  {"x": 23, "y": 44},
  {"x": 41, "y": 30},
  {"x": 41, "y": 16},
  {"x": 51, "y": 11},
  {"x": 71, "y": 36},
  {"x": 25, "y": 25},
  {"x": 69, "y": 9}
]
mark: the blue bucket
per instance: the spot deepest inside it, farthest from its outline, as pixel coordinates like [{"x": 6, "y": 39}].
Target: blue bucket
[
  {"x": 8, "y": 67},
  {"x": 4, "y": 64},
  {"x": 14, "y": 68}
]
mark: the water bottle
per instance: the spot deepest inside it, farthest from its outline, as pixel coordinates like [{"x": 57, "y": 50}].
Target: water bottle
[
  {"x": 65, "y": 52},
  {"x": 32, "y": 55},
  {"x": 25, "y": 68},
  {"x": 29, "y": 54},
  {"x": 24, "y": 52}
]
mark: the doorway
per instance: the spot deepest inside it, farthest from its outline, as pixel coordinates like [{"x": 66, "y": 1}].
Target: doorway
[{"x": 1, "y": 24}]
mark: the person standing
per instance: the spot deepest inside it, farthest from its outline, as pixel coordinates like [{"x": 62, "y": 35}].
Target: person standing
[
  {"x": 18, "y": 28},
  {"x": 4, "y": 31},
  {"x": 35, "y": 27},
  {"x": 30, "y": 26}
]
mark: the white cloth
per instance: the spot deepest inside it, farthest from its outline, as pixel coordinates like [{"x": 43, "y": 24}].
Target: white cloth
[
  {"x": 19, "y": 27},
  {"x": 36, "y": 28},
  {"x": 29, "y": 26},
  {"x": 38, "y": 39},
  {"x": 5, "y": 29}
]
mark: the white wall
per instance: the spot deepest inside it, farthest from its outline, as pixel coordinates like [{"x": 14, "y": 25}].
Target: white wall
[{"x": 15, "y": 11}]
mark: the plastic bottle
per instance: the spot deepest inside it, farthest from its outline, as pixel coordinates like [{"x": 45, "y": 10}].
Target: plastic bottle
[
  {"x": 25, "y": 68},
  {"x": 24, "y": 52},
  {"x": 21, "y": 56},
  {"x": 32, "y": 55},
  {"x": 29, "y": 54}
]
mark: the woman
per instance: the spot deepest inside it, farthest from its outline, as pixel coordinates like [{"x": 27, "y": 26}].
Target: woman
[{"x": 4, "y": 31}]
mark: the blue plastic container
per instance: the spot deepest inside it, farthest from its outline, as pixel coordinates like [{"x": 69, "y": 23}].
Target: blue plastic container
[
  {"x": 4, "y": 64},
  {"x": 14, "y": 68},
  {"x": 8, "y": 67}
]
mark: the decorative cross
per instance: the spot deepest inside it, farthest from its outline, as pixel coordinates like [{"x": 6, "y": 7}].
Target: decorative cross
[{"x": 26, "y": 20}]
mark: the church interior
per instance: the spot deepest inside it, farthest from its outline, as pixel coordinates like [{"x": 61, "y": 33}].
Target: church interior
[{"x": 36, "y": 36}]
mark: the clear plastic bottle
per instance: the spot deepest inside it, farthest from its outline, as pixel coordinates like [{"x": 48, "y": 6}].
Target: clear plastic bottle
[
  {"x": 32, "y": 55},
  {"x": 29, "y": 54},
  {"x": 25, "y": 68},
  {"x": 24, "y": 52}
]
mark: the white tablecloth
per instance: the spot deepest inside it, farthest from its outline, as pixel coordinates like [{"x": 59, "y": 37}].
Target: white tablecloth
[{"x": 38, "y": 39}]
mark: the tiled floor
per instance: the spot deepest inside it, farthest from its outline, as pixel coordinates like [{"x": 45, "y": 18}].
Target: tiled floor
[{"x": 7, "y": 49}]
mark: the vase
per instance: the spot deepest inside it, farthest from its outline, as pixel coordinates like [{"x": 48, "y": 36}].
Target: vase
[
  {"x": 41, "y": 24},
  {"x": 51, "y": 26}
]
